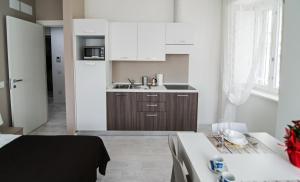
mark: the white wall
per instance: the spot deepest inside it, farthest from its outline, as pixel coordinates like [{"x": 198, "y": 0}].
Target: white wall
[
  {"x": 260, "y": 114},
  {"x": 289, "y": 96},
  {"x": 58, "y": 76},
  {"x": 204, "y": 69},
  {"x": 130, "y": 10}
]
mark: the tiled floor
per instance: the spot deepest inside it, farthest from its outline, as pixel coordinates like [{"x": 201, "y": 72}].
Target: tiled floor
[
  {"x": 133, "y": 158},
  {"x": 137, "y": 159},
  {"x": 57, "y": 121}
]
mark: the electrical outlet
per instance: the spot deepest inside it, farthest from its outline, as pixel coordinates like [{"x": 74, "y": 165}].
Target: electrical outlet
[{"x": 1, "y": 84}]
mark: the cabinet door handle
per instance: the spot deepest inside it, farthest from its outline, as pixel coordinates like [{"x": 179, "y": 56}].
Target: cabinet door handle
[
  {"x": 89, "y": 31},
  {"x": 120, "y": 94},
  {"x": 151, "y": 115},
  {"x": 150, "y": 58},
  {"x": 124, "y": 57},
  {"x": 152, "y": 95},
  {"x": 152, "y": 105},
  {"x": 182, "y": 95},
  {"x": 90, "y": 63}
]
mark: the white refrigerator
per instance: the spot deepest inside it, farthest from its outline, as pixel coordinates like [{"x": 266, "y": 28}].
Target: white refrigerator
[{"x": 90, "y": 87}]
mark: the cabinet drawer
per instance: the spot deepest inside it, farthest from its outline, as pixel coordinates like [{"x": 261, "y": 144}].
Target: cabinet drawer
[
  {"x": 152, "y": 121},
  {"x": 151, "y": 97},
  {"x": 151, "y": 106}
]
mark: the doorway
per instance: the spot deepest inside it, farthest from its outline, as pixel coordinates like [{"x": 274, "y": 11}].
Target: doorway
[
  {"x": 54, "y": 39},
  {"x": 54, "y": 47}
]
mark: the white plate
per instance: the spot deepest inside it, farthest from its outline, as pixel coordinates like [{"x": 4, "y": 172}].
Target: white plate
[{"x": 235, "y": 137}]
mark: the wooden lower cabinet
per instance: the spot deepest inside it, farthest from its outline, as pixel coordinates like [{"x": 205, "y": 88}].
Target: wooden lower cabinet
[
  {"x": 182, "y": 110},
  {"x": 152, "y": 111},
  {"x": 121, "y": 111}
]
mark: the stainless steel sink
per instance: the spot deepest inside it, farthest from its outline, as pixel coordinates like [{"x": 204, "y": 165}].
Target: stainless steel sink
[
  {"x": 130, "y": 86},
  {"x": 122, "y": 86}
]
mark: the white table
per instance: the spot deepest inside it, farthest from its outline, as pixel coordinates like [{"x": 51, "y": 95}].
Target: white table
[{"x": 195, "y": 150}]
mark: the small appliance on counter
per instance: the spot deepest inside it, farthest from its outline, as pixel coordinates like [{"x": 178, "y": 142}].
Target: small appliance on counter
[
  {"x": 94, "y": 53},
  {"x": 160, "y": 79},
  {"x": 154, "y": 82},
  {"x": 145, "y": 80}
]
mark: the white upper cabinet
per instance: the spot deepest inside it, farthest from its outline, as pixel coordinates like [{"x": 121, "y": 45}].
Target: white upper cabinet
[
  {"x": 123, "y": 41},
  {"x": 90, "y": 27},
  {"x": 179, "y": 34},
  {"x": 151, "y": 42}
]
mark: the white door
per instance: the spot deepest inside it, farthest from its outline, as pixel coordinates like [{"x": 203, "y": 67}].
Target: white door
[
  {"x": 123, "y": 41},
  {"x": 27, "y": 73},
  {"x": 151, "y": 42},
  {"x": 58, "y": 76}
]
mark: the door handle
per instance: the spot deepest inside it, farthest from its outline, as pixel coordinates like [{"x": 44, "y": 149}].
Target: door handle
[
  {"x": 182, "y": 95},
  {"x": 152, "y": 95},
  {"x": 152, "y": 105},
  {"x": 17, "y": 80},
  {"x": 151, "y": 115},
  {"x": 120, "y": 95},
  {"x": 90, "y": 63},
  {"x": 12, "y": 83}
]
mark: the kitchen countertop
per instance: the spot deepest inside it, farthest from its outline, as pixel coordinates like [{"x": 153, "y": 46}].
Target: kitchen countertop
[{"x": 152, "y": 89}]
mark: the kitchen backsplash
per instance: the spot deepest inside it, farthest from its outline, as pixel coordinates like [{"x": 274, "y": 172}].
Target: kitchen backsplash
[{"x": 175, "y": 69}]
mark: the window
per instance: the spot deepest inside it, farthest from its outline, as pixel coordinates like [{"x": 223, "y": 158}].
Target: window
[{"x": 268, "y": 71}]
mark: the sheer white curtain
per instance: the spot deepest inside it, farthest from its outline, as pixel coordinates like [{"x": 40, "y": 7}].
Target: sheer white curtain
[{"x": 246, "y": 36}]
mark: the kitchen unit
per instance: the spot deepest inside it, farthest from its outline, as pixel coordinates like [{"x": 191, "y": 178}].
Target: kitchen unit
[
  {"x": 129, "y": 107},
  {"x": 152, "y": 110}
]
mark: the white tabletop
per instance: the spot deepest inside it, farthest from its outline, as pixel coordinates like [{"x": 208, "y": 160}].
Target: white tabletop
[{"x": 196, "y": 150}]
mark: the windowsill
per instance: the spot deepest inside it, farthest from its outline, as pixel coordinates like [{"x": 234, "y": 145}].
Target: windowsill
[{"x": 265, "y": 95}]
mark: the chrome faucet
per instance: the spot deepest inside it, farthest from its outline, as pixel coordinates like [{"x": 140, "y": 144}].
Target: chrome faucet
[{"x": 132, "y": 82}]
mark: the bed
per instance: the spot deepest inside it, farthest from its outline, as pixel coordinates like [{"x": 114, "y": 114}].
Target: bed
[{"x": 51, "y": 158}]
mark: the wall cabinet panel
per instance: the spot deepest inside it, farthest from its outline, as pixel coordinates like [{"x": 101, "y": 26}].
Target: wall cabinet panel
[
  {"x": 179, "y": 34},
  {"x": 151, "y": 42},
  {"x": 123, "y": 41}
]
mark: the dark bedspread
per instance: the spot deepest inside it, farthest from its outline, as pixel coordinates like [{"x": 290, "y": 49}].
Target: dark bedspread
[{"x": 53, "y": 159}]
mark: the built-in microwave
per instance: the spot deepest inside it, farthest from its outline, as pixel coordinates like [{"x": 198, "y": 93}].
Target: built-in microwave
[{"x": 94, "y": 53}]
